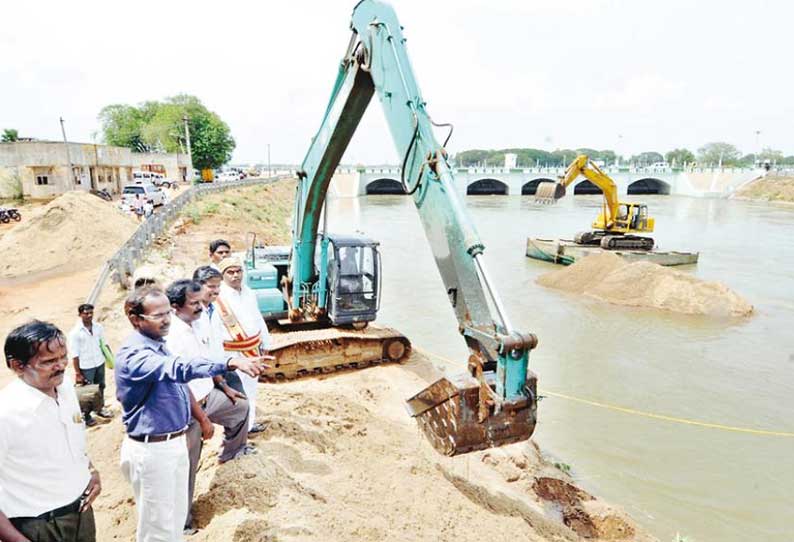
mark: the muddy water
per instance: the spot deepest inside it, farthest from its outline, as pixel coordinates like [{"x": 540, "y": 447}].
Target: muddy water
[{"x": 706, "y": 484}]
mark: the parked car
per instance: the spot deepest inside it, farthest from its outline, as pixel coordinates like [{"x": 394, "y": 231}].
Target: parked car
[
  {"x": 149, "y": 192},
  {"x": 227, "y": 176},
  {"x": 151, "y": 177}
]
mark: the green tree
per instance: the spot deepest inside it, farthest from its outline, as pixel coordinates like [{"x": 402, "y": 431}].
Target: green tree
[
  {"x": 679, "y": 157},
  {"x": 159, "y": 126},
  {"x": 770, "y": 155},
  {"x": 718, "y": 152},
  {"x": 9, "y": 135},
  {"x": 647, "y": 158}
]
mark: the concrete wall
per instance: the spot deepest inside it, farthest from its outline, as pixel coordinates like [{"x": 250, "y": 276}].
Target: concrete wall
[{"x": 95, "y": 166}]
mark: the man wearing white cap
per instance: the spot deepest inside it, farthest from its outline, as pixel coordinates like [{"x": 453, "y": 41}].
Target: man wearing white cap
[{"x": 245, "y": 331}]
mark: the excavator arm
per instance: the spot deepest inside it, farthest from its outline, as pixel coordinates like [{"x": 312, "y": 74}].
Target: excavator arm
[
  {"x": 495, "y": 401},
  {"x": 582, "y": 166}
]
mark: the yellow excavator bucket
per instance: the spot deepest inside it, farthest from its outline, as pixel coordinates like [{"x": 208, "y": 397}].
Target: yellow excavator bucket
[{"x": 549, "y": 192}]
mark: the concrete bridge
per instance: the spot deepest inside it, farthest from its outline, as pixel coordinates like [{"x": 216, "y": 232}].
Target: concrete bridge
[{"x": 699, "y": 182}]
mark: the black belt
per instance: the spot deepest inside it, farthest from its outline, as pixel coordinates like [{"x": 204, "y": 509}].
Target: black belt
[
  {"x": 157, "y": 438},
  {"x": 71, "y": 508}
]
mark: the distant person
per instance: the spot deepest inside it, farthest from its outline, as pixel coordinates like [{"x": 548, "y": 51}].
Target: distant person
[
  {"x": 47, "y": 483},
  {"x": 148, "y": 208},
  {"x": 85, "y": 351},
  {"x": 209, "y": 404},
  {"x": 137, "y": 207},
  {"x": 244, "y": 329},
  {"x": 144, "y": 276},
  {"x": 219, "y": 249},
  {"x": 150, "y": 385}
]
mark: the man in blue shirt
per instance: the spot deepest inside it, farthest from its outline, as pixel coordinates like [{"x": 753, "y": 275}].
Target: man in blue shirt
[{"x": 150, "y": 385}]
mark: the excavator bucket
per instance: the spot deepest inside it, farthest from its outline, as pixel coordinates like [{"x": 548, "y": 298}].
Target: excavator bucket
[
  {"x": 549, "y": 192},
  {"x": 455, "y": 415}
]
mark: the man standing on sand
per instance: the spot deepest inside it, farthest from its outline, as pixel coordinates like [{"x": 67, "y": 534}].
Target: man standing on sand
[
  {"x": 244, "y": 330},
  {"x": 156, "y": 413},
  {"x": 47, "y": 483},
  {"x": 89, "y": 361},
  {"x": 209, "y": 404},
  {"x": 210, "y": 279},
  {"x": 219, "y": 249}
]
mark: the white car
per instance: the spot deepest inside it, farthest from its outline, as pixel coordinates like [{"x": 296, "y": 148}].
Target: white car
[
  {"x": 227, "y": 176},
  {"x": 150, "y": 177},
  {"x": 149, "y": 192}
]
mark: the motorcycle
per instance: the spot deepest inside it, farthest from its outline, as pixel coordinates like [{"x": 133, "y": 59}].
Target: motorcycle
[
  {"x": 103, "y": 193},
  {"x": 8, "y": 214}
]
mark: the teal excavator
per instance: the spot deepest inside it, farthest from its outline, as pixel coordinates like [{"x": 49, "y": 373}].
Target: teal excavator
[{"x": 494, "y": 401}]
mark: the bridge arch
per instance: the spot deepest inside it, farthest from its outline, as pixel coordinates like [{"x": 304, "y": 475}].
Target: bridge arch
[
  {"x": 649, "y": 186},
  {"x": 586, "y": 187},
  {"x": 484, "y": 187},
  {"x": 385, "y": 186},
  {"x": 531, "y": 187}
]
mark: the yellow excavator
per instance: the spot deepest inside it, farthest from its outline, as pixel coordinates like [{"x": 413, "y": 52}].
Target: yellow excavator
[{"x": 617, "y": 223}]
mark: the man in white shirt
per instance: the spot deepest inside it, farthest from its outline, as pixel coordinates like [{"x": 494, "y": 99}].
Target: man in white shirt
[
  {"x": 89, "y": 362},
  {"x": 210, "y": 279},
  {"x": 244, "y": 330},
  {"x": 209, "y": 404},
  {"x": 47, "y": 483}
]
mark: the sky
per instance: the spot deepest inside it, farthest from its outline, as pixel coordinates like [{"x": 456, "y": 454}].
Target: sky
[{"x": 631, "y": 76}]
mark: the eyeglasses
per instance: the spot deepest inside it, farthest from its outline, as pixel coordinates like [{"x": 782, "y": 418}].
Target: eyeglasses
[{"x": 156, "y": 317}]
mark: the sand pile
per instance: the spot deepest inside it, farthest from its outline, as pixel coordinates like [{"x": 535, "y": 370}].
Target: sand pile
[
  {"x": 769, "y": 188},
  {"x": 71, "y": 231},
  {"x": 341, "y": 460},
  {"x": 608, "y": 277}
]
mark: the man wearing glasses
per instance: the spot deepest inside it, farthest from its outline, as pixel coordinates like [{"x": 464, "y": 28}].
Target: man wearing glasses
[{"x": 156, "y": 412}]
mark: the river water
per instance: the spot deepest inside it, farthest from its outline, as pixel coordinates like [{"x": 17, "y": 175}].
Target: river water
[{"x": 706, "y": 484}]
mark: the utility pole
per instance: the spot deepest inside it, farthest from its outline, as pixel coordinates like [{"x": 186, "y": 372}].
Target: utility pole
[
  {"x": 269, "y": 172},
  {"x": 189, "y": 150},
  {"x": 70, "y": 177}
]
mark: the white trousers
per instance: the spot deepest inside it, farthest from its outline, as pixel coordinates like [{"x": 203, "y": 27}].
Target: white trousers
[
  {"x": 158, "y": 472},
  {"x": 250, "y": 386}
]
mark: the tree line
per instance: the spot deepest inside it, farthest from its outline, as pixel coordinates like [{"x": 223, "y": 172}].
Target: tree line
[
  {"x": 158, "y": 126},
  {"x": 710, "y": 154}
]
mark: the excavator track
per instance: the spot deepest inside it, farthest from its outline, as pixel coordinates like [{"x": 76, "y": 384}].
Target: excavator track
[
  {"x": 316, "y": 352},
  {"x": 626, "y": 242}
]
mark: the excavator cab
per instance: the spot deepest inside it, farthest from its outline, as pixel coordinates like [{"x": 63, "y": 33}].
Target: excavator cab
[{"x": 353, "y": 268}]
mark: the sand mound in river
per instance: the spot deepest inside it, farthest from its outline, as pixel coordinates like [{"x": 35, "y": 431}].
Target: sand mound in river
[
  {"x": 608, "y": 277},
  {"x": 73, "y": 229}
]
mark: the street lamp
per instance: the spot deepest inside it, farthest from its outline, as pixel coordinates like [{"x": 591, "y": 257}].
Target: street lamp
[{"x": 189, "y": 150}]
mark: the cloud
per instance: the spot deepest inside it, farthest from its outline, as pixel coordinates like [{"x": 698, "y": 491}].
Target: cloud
[{"x": 642, "y": 92}]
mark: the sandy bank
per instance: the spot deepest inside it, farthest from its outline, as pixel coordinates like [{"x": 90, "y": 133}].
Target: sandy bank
[
  {"x": 771, "y": 188},
  {"x": 609, "y": 278}
]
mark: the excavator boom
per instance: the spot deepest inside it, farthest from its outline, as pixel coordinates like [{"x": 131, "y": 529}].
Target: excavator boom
[{"x": 495, "y": 401}]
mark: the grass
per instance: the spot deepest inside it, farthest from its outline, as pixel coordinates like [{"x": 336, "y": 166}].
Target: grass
[
  {"x": 564, "y": 467},
  {"x": 265, "y": 209}
]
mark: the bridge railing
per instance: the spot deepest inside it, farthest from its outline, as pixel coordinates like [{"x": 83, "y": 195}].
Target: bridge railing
[{"x": 122, "y": 264}]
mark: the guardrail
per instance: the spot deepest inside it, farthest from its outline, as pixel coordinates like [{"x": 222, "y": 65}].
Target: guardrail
[{"x": 122, "y": 264}]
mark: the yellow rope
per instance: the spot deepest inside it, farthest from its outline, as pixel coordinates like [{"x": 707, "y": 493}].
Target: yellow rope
[{"x": 651, "y": 415}]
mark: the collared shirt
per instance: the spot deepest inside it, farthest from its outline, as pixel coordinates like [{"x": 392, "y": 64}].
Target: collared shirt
[
  {"x": 84, "y": 344},
  {"x": 245, "y": 307},
  {"x": 211, "y": 325},
  {"x": 192, "y": 341},
  {"x": 150, "y": 385},
  {"x": 43, "y": 464}
]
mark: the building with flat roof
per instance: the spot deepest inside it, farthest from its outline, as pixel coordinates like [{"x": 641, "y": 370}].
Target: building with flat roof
[{"x": 41, "y": 168}]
